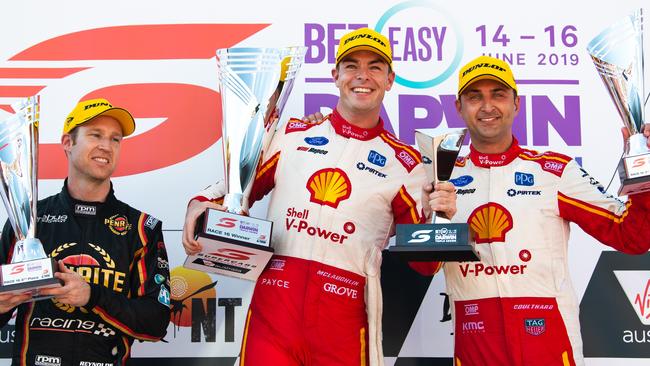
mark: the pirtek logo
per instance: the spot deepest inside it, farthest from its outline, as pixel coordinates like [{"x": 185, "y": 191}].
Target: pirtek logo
[{"x": 491, "y": 66}]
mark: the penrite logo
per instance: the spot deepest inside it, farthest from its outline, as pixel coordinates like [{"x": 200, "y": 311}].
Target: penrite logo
[
  {"x": 636, "y": 285},
  {"x": 75, "y": 54}
]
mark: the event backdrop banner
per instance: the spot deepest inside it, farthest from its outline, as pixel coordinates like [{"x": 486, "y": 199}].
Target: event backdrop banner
[{"x": 157, "y": 59}]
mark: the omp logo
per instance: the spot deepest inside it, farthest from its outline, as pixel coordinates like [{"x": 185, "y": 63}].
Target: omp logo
[
  {"x": 227, "y": 222},
  {"x": 490, "y": 222},
  {"x": 636, "y": 285},
  {"x": 329, "y": 187},
  {"x": 158, "y": 106},
  {"x": 233, "y": 254}
]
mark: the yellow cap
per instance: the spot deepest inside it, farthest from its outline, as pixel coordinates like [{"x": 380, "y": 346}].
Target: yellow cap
[
  {"x": 86, "y": 110},
  {"x": 485, "y": 67},
  {"x": 365, "y": 39}
]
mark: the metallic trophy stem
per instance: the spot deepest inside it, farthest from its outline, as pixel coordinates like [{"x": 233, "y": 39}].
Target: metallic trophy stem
[
  {"x": 18, "y": 167},
  {"x": 255, "y": 84},
  {"x": 617, "y": 53}
]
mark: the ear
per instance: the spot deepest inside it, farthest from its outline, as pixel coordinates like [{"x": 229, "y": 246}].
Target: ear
[
  {"x": 391, "y": 80},
  {"x": 335, "y": 76},
  {"x": 66, "y": 141},
  {"x": 517, "y": 102}
]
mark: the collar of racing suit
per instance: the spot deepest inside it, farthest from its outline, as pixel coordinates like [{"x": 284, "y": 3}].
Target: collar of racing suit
[
  {"x": 492, "y": 160},
  {"x": 345, "y": 128},
  {"x": 84, "y": 208}
]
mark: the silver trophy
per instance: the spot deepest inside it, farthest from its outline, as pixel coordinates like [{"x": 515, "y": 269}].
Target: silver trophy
[
  {"x": 439, "y": 240},
  {"x": 255, "y": 84},
  {"x": 617, "y": 53},
  {"x": 30, "y": 268}
]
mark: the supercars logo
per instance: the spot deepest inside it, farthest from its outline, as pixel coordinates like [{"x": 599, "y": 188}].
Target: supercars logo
[
  {"x": 233, "y": 254},
  {"x": 76, "y": 54},
  {"x": 118, "y": 224},
  {"x": 329, "y": 187},
  {"x": 490, "y": 222}
]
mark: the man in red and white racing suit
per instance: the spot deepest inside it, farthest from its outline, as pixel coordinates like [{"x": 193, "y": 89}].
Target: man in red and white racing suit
[
  {"x": 517, "y": 305},
  {"x": 339, "y": 187}
]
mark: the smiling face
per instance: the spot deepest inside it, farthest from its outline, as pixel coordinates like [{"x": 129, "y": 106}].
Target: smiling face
[
  {"x": 363, "y": 77},
  {"x": 93, "y": 150},
  {"x": 489, "y": 109}
]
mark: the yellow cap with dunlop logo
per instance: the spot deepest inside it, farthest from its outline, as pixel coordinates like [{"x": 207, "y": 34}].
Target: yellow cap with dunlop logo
[
  {"x": 86, "y": 110},
  {"x": 485, "y": 67},
  {"x": 365, "y": 39}
]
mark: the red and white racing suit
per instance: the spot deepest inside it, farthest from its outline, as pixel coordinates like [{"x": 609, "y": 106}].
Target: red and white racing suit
[
  {"x": 517, "y": 305},
  {"x": 338, "y": 192}
]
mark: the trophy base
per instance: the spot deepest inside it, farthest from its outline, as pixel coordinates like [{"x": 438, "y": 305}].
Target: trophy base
[
  {"x": 427, "y": 253},
  {"x": 21, "y": 277},
  {"x": 233, "y": 245},
  {"x": 434, "y": 242},
  {"x": 634, "y": 172}
]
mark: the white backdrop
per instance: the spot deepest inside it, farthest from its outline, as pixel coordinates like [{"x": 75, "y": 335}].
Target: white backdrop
[{"x": 156, "y": 59}]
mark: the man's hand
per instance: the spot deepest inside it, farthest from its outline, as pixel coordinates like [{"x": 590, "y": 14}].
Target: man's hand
[
  {"x": 645, "y": 130},
  {"x": 442, "y": 200},
  {"x": 194, "y": 210},
  {"x": 314, "y": 118},
  {"x": 75, "y": 290},
  {"x": 10, "y": 301}
]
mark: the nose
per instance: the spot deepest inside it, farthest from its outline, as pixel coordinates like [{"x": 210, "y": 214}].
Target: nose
[
  {"x": 487, "y": 105},
  {"x": 362, "y": 73}
]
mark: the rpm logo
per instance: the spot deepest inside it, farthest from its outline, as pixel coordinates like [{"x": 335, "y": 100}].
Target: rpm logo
[{"x": 47, "y": 360}]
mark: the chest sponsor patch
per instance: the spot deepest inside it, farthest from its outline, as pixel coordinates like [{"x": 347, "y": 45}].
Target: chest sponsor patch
[
  {"x": 118, "y": 224},
  {"x": 524, "y": 179},
  {"x": 462, "y": 181},
  {"x": 317, "y": 140},
  {"x": 85, "y": 210},
  {"x": 535, "y": 327},
  {"x": 490, "y": 223},
  {"x": 329, "y": 187}
]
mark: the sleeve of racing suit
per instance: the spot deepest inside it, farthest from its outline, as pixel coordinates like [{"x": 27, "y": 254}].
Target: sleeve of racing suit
[
  {"x": 144, "y": 312},
  {"x": 622, "y": 225},
  {"x": 407, "y": 209},
  {"x": 264, "y": 180},
  {"x": 8, "y": 240}
]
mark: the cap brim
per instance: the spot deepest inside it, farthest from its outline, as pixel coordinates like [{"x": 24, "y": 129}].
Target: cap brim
[
  {"x": 123, "y": 117},
  {"x": 484, "y": 77},
  {"x": 364, "y": 47}
]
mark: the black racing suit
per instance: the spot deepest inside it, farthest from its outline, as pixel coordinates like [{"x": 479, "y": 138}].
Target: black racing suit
[{"x": 121, "y": 254}]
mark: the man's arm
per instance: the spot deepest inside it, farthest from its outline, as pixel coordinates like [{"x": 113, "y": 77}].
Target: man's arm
[
  {"x": 8, "y": 302},
  {"x": 144, "y": 312}
]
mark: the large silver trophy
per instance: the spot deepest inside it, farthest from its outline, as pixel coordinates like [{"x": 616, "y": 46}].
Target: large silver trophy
[
  {"x": 617, "y": 53},
  {"x": 439, "y": 240},
  {"x": 255, "y": 84},
  {"x": 30, "y": 268}
]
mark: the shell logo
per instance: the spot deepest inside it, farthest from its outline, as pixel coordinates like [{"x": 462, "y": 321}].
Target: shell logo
[
  {"x": 490, "y": 223},
  {"x": 329, "y": 187}
]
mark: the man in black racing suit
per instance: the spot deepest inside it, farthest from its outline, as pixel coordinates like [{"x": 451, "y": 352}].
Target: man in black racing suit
[{"x": 111, "y": 257}]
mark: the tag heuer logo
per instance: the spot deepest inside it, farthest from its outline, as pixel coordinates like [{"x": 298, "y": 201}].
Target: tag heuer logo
[
  {"x": 535, "y": 327},
  {"x": 85, "y": 210}
]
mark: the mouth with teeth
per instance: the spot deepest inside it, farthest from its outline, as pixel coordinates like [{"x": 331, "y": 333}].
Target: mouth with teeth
[
  {"x": 100, "y": 160},
  {"x": 359, "y": 90}
]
